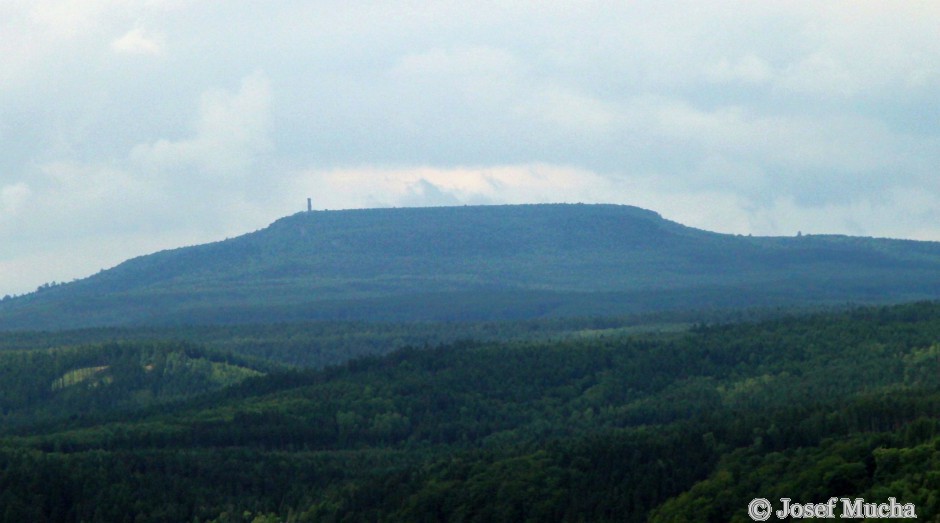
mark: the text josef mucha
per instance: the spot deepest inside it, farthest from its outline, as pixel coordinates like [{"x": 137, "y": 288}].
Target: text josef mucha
[{"x": 761, "y": 509}]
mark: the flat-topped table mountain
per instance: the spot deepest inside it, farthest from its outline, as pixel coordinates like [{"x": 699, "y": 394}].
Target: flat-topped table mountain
[{"x": 480, "y": 263}]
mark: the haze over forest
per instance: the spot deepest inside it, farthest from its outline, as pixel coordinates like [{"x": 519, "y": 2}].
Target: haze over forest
[{"x": 131, "y": 127}]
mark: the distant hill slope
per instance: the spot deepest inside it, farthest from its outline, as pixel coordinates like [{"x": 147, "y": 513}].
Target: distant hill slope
[
  {"x": 481, "y": 262},
  {"x": 49, "y": 385}
]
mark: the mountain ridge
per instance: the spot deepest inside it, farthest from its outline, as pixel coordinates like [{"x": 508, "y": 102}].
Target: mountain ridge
[{"x": 479, "y": 262}]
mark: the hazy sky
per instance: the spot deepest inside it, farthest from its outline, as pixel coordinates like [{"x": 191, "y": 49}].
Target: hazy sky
[{"x": 128, "y": 127}]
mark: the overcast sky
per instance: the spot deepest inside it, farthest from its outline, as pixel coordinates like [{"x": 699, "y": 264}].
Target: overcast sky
[{"x": 128, "y": 127}]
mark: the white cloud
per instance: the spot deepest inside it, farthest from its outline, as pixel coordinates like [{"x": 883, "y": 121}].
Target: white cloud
[
  {"x": 749, "y": 69},
  {"x": 138, "y": 42},
  {"x": 159, "y": 195},
  {"x": 12, "y": 199},
  {"x": 231, "y": 130},
  {"x": 72, "y": 203},
  {"x": 470, "y": 69},
  {"x": 866, "y": 50},
  {"x": 69, "y": 18},
  {"x": 569, "y": 111}
]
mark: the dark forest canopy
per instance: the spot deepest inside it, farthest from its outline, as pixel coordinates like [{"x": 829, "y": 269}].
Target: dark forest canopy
[
  {"x": 479, "y": 263},
  {"x": 680, "y": 426}
]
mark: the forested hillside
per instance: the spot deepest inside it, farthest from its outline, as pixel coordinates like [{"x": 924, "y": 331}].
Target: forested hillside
[
  {"x": 479, "y": 263},
  {"x": 49, "y": 385},
  {"x": 318, "y": 344},
  {"x": 677, "y": 426}
]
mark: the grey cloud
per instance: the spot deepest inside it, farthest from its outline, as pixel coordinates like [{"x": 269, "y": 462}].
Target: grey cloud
[
  {"x": 749, "y": 115},
  {"x": 425, "y": 194}
]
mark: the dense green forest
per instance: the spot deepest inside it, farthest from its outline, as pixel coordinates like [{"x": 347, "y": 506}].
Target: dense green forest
[
  {"x": 478, "y": 263},
  {"x": 606, "y": 425},
  {"x": 315, "y": 344},
  {"x": 69, "y": 382}
]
